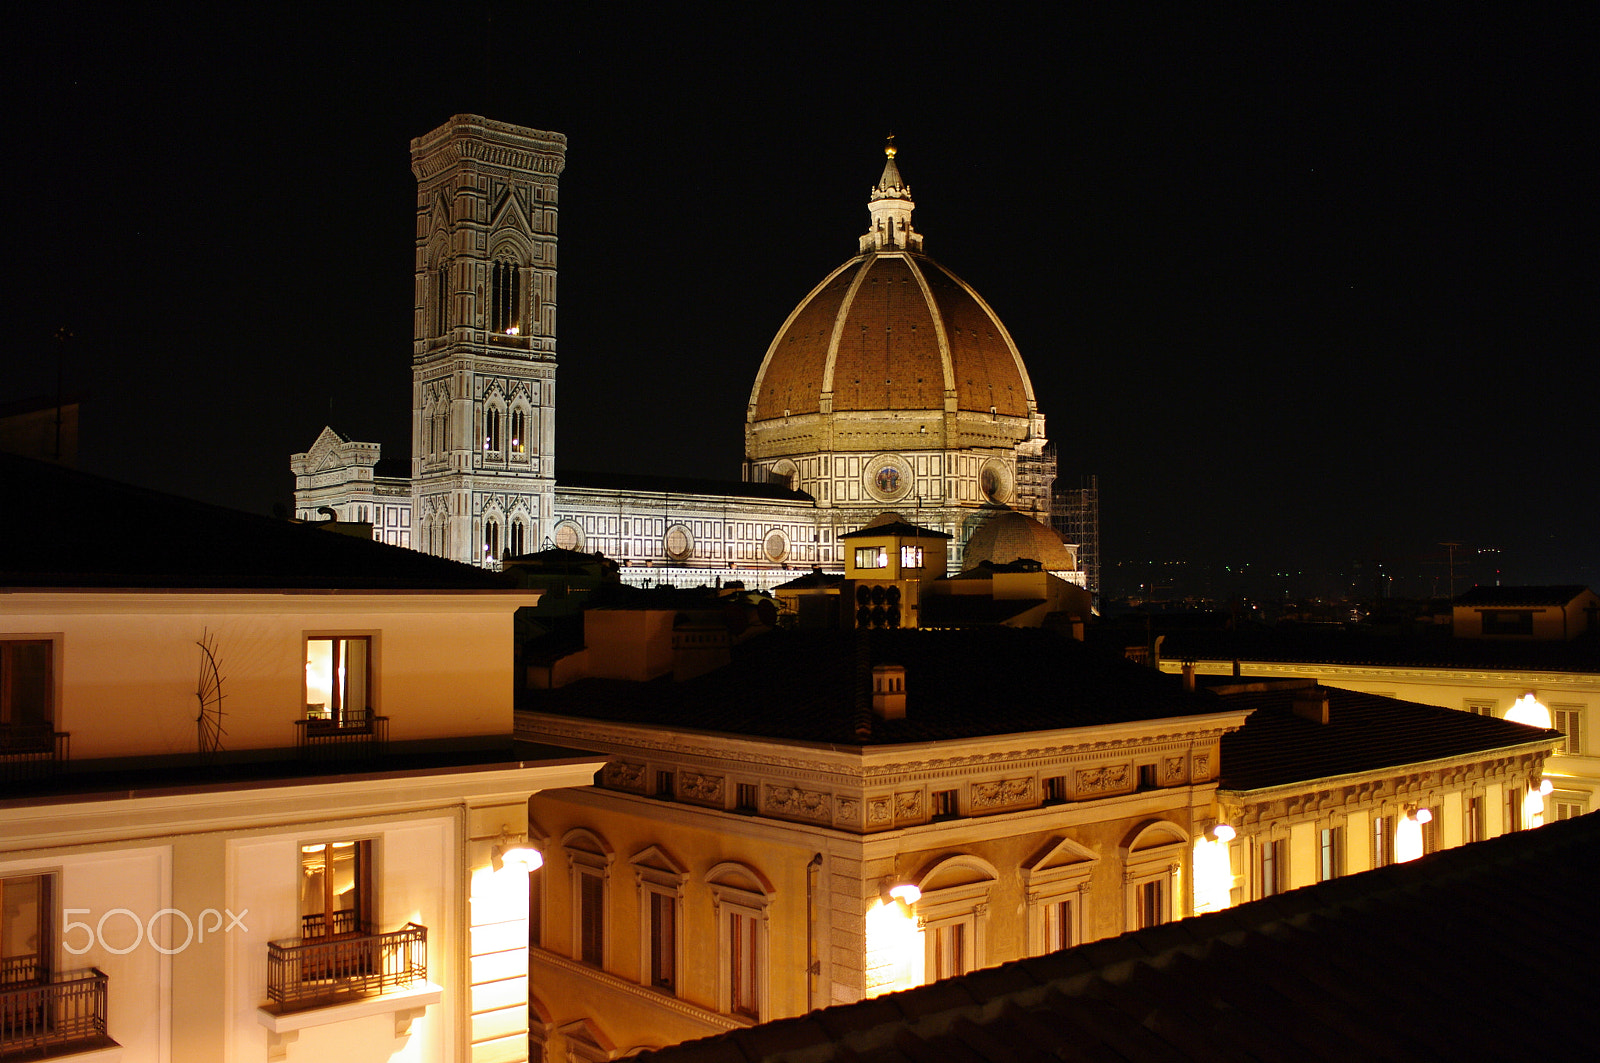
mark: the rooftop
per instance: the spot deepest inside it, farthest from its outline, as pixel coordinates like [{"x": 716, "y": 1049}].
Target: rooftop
[
  {"x": 675, "y": 485},
  {"x": 1357, "y": 648},
  {"x": 1383, "y": 965},
  {"x": 1364, "y": 733},
  {"x": 165, "y": 542},
  {"x": 1510, "y": 596},
  {"x": 815, "y": 686}
]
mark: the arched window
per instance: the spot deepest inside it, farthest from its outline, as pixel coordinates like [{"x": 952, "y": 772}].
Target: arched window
[
  {"x": 441, "y": 300},
  {"x": 491, "y": 539},
  {"x": 505, "y": 307},
  {"x": 740, "y": 896},
  {"x": 493, "y": 435},
  {"x": 519, "y": 542},
  {"x": 519, "y": 431}
]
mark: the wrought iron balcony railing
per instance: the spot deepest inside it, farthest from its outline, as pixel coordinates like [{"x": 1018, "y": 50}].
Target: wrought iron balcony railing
[
  {"x": 28, "y": 752},
  {"x": 354, "y": 734},
  {"x": 42, "y": 1015},
  {"x": 311, "y": 972}
]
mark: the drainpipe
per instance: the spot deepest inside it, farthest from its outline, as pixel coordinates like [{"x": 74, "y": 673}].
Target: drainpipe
[{"x": 813, "y": 965}]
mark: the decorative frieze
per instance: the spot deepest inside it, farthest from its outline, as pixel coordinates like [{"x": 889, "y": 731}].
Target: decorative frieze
[
  {"x": 791, "y": 801},
  {"x": 1002, "y": 793},
  {"x": 1103, "y": 779},
  {"x": 620, "y": 775},
  {"x": 1172, "y": 771},
  {"x": 848, "y": 810},
  {"x": 707, "y": 789}
]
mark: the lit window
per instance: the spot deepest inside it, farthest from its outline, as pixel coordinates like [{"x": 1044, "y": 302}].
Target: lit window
[
  {"x": 872, "y": 557},
  {"x": 911, "y": 557},
  {"x": 25, "y": 922},
  {"x": 339, "y": 680},
  {"x": 505, "y": 307},
  {"x": 336, "y": 890}
]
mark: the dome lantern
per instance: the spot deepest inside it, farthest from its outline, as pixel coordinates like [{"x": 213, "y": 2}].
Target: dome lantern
[{"x": 890, "y": 206}]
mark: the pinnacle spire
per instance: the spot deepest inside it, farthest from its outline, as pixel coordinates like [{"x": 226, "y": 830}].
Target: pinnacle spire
[{"x": 890, "y": 206}]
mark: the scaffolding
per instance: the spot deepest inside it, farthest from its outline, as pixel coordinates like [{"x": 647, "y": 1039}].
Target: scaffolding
[{"x": 1075, "y": 513}]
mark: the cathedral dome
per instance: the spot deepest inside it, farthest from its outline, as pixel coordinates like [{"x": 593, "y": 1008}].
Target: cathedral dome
[
  {"x": 1011, "y": 536},
  {"x": 891, "y": 350}
]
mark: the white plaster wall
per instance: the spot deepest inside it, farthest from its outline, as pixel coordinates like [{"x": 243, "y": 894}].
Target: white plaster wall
[
  {"x": 139, "y": 981},
  {"x": 130, "y": 665},
  {"x": 413, "y": 881}
]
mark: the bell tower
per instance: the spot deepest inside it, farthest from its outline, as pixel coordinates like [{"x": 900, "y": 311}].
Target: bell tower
[{"x": 483, "y": 360}]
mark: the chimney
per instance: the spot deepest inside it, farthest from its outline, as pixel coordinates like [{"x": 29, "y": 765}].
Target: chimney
[
  {"x": 1312, "y": 703},
  {"x": 889, "y": 691},
  {"x": 1188, "y": 676}
]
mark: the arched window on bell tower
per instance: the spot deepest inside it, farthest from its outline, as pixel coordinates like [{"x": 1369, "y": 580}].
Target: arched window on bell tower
[
  {"x": 505, "y": 290},
  {"x": 519, "y": 431},
  {"x": 441, "y": 299},
  {"x": 493, "y": 431},
  {"x": 491, "y": 540}
]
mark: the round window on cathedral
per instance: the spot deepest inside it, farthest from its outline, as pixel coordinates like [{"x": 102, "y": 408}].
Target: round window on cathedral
[
  {"x": 568, "y": 536},
  {"x": 887, "y": 478},
  {"x": 677, "y": 542},
  {"x": 776, "y": 546},
  {"x": 995, "y": 480}
]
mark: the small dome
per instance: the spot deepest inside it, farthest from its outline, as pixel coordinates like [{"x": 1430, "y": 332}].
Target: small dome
[{"x": 1010, "y": 536}]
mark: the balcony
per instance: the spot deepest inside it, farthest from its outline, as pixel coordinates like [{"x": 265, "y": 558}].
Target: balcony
[
  {"x": 318, "y": 971},
  {"x": 48, "y": 1015},
  {"x": 31, "y": 751},
  {"x": 354, "y": 735}
]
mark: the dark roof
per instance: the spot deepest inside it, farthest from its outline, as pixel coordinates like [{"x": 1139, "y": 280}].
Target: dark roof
[
  {"x": 1451, "y": 957},
  {"x": 814, "y": 686},
  {"x": 903, "y": 529},
  {"x": 676, "y": 485},
  {"x": 1364, "y": 648},
  {"x": 970, "y": 610},
  {"x": 1535, "y": 596},
  {"x": 1364, "y": 732},
  {"x": 156, "y": 540},
  {"x": 815, "y": 578}
]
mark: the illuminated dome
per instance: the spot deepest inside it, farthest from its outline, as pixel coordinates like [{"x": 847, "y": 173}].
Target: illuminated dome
[
  {"x": 894, "y": 354},
  {"x": 1010, "y": 536}
]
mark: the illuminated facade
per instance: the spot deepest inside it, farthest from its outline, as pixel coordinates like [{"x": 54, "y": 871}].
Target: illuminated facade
[
  {"x": 309, "y": 853},
  {"x": 951, "y": 432},
  {"x": 736, "y": 861}
]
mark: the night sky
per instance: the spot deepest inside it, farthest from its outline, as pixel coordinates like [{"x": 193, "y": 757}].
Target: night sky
[{"x": 1302, "y": 289}]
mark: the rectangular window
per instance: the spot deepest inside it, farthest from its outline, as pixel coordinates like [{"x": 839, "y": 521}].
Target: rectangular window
[
  {"x": 745, "y": 795},
  {"x": 1058, "y": 926},
  {"x": 663, "y": 940},
  {"x": 911, "y": 557},
  {"x": 1274, "y": 872},
  {"x": 1330, "y": 854},
  {"x": 1474, "y": 826},
  {"x": 1055, "y": 788},
  {"x": 25, "y": 923},
  {"x": 1569, "y": 721},
  {"x": 1567, "y": 809},
  {"x": 742, "y": 959},
  {"x": 1382, "y": 842},
  {"x": 591, "y": 918},
  {"x": 1152, "y": 901},
  {"x": 872, "y": 557},
  {"x": 336, "y": 889},
  {"x": 1147, "y": 777},
  {"x": 27, "y": 690},
  {"x": 1481, "y": 706},
  {"x": 1513, "y": 808},
  {"x": 943, "y": 804},
  {"x": 664, "y": 781},
  {"x": 1430, "y": 832},
  {"x": 949, "y": 950},
  {"x": 339, "y": 680}
]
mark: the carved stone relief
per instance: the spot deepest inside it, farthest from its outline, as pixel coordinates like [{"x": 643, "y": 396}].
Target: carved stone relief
[
  {"x": 696, "y": 787},
  {"x": 1003, "y": 792},
  {"x": 1099, "y": 780},
  {"x": 620, "y": 775},
  {"x": 791, "y": 801}
]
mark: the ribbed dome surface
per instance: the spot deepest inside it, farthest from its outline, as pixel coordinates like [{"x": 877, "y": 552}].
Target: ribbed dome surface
[
  {"x": 1011, "y": 536},
  {"x": 891, "y": 331}
]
